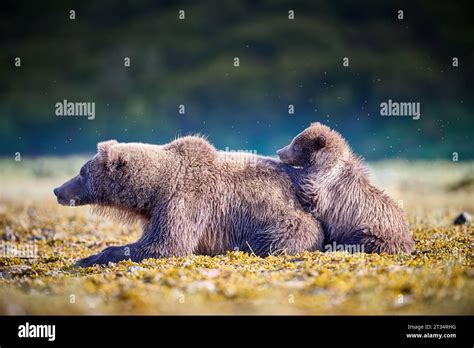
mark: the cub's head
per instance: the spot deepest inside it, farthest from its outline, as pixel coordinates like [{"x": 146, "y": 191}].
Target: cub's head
[
  {"x": 315, "y": 144},
  {"x": 102, "y": 180}
]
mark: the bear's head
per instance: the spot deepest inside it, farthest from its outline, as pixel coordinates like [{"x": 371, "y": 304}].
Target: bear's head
[
  {"x": 316, "y": 144},
  {"x": 105, "y": 179}
]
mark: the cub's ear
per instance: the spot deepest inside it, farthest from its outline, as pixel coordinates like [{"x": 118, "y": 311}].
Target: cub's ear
[
  {"x": 110, "y": 155},
  {"x": 320, "y": 142}
]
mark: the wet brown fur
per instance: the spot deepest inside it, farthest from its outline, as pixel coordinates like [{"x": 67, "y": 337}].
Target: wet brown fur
[
  {"x": 334, "y": 184},
  {"x": 193, "y": 199}
]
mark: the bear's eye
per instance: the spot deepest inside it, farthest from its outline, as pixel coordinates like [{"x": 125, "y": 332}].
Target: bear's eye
[
  {"x": 82, "y": 172},
  {"x": 299, "y": 147},
  {"x": 320, "y": 142}
]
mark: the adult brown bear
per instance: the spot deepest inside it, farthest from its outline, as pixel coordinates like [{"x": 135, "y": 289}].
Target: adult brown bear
[{"x": 193, "y": 199}]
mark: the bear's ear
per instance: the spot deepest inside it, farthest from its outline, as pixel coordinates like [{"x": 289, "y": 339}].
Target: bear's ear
[
  {"x": 104, "y": 146},
  {"x": 320, "y": 142},
  {"x": 110, "y": 155}
]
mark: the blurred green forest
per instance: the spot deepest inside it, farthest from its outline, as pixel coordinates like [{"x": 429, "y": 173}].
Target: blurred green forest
[{"x": 190, "y": 62}]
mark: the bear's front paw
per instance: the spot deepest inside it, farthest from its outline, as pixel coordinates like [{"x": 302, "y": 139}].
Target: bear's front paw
[
  {"x": 87, "y": 261},
  {"x": 110, "y": 254}
]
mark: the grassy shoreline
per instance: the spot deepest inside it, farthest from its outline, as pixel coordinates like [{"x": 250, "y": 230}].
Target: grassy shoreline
[{"x": 437, "y": 279}]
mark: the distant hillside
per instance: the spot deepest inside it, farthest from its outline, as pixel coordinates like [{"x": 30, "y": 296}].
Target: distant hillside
[{"x": 282, "y": 64}]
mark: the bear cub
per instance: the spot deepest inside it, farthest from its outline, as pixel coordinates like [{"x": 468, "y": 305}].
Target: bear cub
[{"x": 333, "y": 183}]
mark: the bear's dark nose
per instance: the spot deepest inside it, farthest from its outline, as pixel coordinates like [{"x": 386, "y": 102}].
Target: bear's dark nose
[
  {"x": 56, "y": 191},
  {"x": 283, "y": 152}
]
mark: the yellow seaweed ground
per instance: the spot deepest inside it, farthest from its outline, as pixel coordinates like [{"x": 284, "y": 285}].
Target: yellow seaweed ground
[{"x": 436, "y": 279}]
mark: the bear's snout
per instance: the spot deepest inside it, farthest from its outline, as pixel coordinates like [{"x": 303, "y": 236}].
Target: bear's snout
[
  {"x": 60, "y": 196},
  {"x": 284, "y": 153},
  {"x": 71, "y": 192}
]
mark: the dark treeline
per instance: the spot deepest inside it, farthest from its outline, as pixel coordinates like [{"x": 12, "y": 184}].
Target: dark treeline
[{"x": 282, "y": 62}]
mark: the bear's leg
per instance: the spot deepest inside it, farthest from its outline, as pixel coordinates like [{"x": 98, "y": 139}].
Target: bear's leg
[
  {"x": 112, "y": 254},
  {"x": 293, "y": 234},
  {"x": 396, "y": 246},
  {"x": 366, "y": 241},
  {"x": 164, "y": 236},
  {"x": 167, "y": 235},
  {"x": 358, "y": 240}
]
